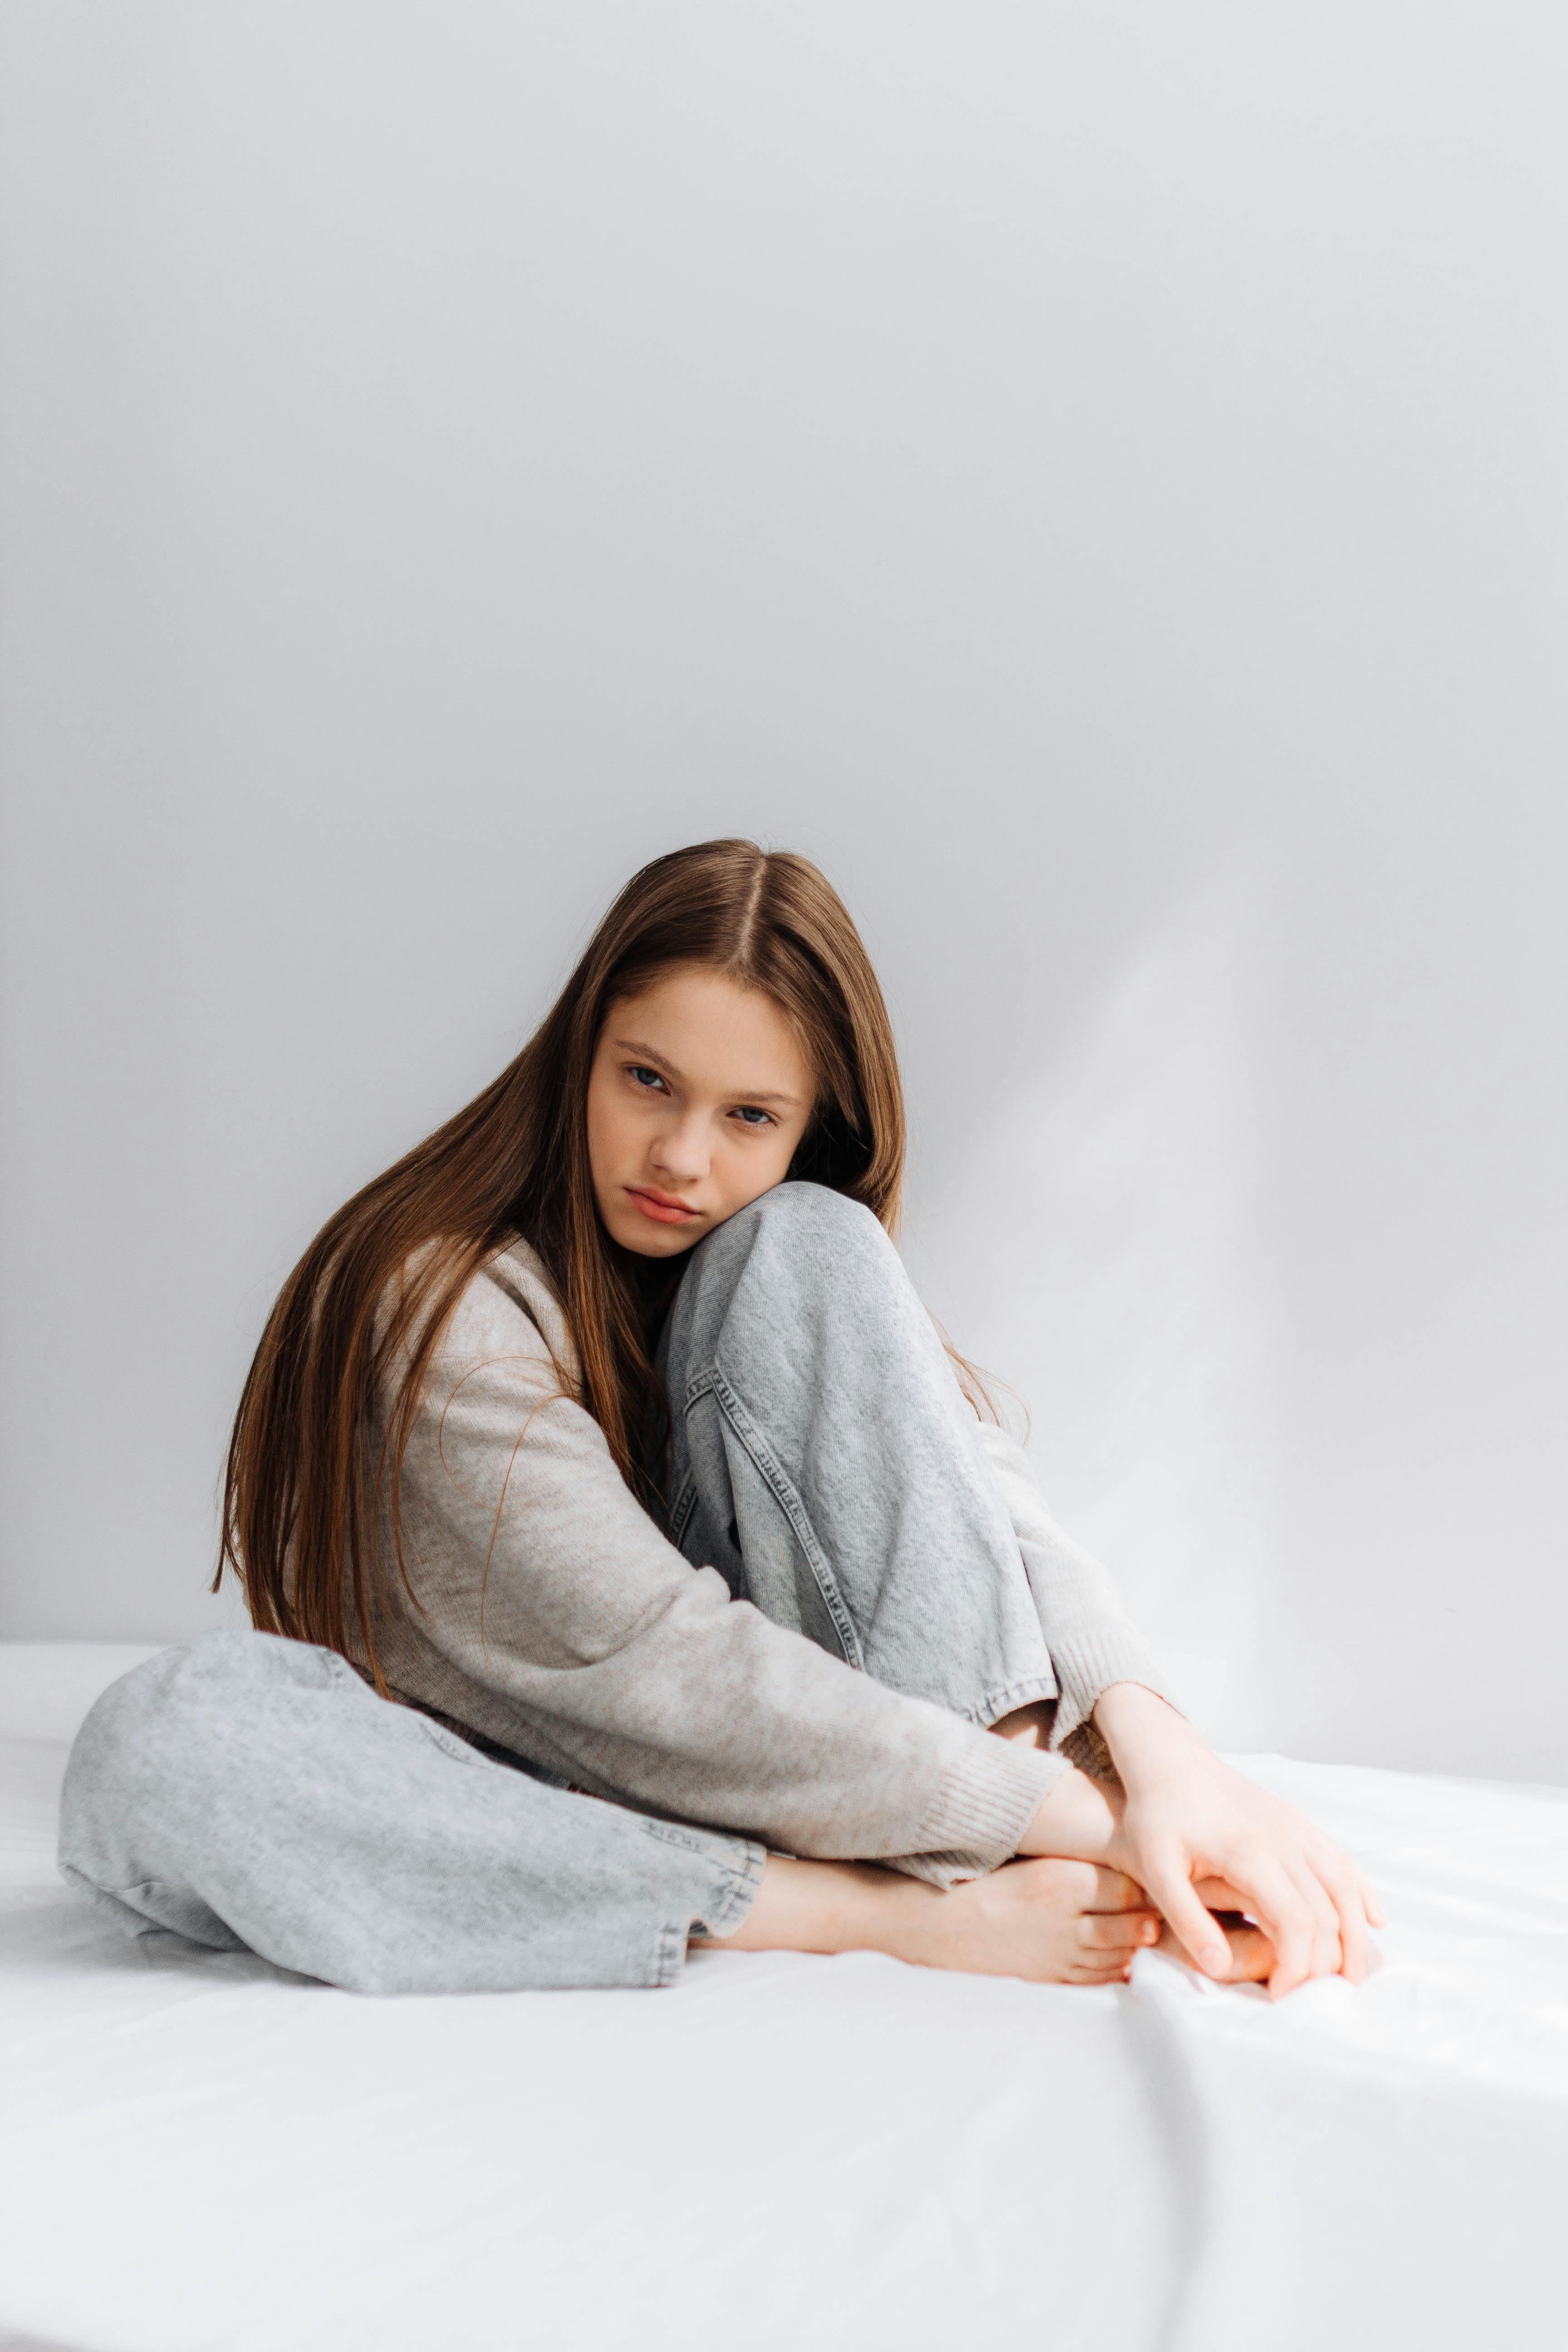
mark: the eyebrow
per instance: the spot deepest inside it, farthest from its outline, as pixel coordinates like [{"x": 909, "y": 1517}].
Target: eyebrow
[{"x": 740, "y": 1094}]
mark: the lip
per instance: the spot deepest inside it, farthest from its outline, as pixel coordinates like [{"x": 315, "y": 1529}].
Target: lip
[{"x": 664, "y": 1208}]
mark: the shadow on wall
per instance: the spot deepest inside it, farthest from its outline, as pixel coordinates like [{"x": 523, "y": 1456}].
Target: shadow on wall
[{"x": 1103, "y": 1237}]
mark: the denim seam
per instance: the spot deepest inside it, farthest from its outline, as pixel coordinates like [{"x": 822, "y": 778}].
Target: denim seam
[
  {"x": 788, "y": 1501},
  {"x": 738, "y": 1889},
  {"x": 999, "y": 1703},
  {"x": 738, "y": 1876},
  {"x": 669, "y": 1955},
  {"x": 694, "y": 1841},
  {"x": 684, "y": 1503},
  {"x": 451, "y": 1744},
  {"x": 737, "y": 1894}
]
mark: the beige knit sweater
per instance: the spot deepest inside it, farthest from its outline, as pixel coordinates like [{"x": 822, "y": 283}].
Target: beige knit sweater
[{"x": 549, "y": 1615}]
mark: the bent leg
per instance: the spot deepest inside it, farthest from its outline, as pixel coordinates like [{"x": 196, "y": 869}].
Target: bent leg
[
  {"x": 824, "y": 1459},
  {"x": 245, "y": 1791}
]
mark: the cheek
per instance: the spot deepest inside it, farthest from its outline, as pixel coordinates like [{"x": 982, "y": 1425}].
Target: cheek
[
  {"x": 606, "y": 1136},
  {"x": 754, "y": 1167}
]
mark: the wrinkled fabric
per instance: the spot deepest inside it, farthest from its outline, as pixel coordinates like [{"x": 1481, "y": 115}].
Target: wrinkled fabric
[
  {"x": 199, "y": 2154},
  {"x": 245, "y": 1792}
]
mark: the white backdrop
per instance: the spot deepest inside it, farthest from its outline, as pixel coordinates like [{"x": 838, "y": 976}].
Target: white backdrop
[{"x": 1091, "y": 476}]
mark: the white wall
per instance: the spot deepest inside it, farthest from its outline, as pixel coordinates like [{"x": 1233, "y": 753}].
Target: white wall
[{"x": 1091, "y": 476}]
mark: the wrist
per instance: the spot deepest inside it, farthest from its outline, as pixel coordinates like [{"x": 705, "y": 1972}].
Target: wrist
[
  {"x": 1140, "y": 1729},
  {"x": 1079, "y": 1821}
]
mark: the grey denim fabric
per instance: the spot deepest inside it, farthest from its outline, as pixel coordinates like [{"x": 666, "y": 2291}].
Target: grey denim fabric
[
  {"x": 825, "y": 1461},
  {"x": 248, "y": 1792}
]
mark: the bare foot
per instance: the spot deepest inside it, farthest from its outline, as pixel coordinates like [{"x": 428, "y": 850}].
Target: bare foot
[
  {"x": 1050, "y": 1921},
  {"x": 1047, "y": 1920}
]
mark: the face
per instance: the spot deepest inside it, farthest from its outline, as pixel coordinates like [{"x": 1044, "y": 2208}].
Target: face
[{"x": 698, "y": 1097}]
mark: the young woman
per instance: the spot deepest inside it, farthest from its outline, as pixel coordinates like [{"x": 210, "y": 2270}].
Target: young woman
[{"x": 646, "y": 1570}]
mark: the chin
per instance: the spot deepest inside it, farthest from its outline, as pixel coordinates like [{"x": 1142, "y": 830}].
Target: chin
[{"x": 646, "y": 1240}]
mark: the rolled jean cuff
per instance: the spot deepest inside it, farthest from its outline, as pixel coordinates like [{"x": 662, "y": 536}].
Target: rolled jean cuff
[
  {"x": 1008, "y": 1699},
  {"x": 726, "y": 1874}
]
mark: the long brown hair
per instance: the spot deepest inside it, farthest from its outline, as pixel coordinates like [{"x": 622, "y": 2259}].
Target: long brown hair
[{"x": 368, "y": 1302}]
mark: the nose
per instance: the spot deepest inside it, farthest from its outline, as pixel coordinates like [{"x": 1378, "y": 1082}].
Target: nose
[{"x": 679, "y": 1152}]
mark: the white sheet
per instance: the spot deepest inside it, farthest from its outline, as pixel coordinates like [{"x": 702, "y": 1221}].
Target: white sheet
[{"x": 196, "y": 2153}]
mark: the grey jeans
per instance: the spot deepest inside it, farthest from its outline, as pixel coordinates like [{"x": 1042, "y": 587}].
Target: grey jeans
[{"x": 248, "y": 1792}]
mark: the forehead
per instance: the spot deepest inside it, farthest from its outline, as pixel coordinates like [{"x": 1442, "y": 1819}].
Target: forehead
[{"x": 714, "y": 1031}]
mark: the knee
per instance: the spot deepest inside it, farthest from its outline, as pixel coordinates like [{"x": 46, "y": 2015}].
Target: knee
[
  {"x": 192, "y": 1695},
  {"x": 157, "y": 1749},
  {"x": 809, "y": 1226},
  {"x": 800, "y": 1258}
]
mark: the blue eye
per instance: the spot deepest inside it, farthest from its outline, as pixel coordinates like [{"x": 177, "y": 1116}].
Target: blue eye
[
  {"x": 643, "y": 1075},
  {"x": 753, "y": 1117}
]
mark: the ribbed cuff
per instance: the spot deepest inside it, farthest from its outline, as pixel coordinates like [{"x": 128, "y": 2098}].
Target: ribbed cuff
[
  {"x": 1087, "y": 1663},
  {"x": 988, "y": 1796}
]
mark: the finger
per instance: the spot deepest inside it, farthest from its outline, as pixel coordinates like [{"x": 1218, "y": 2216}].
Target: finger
[
  {"x": 1117, "y": 1931},
  {"x": 1328, "y": 1955},
  {"x": 1345, "y": 1893},
  {"x": 1100, "y": 1973},
  {"x": 1286, "y": 1918},
  {"x": 1171, "y": 1890},
  {"x": 1219, "y": 1894},
  {"x": 1321, "y": 1851},
  {"x": 1251, "y": 1954}
]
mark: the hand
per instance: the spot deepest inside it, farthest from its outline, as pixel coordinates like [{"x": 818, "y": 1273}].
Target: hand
[
  {"x": 1187, "y": 1817},
  {"x": 1251, "y": 1953}
]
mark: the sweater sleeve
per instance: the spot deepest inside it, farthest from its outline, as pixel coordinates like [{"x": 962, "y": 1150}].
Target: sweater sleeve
[
  {"x": 546, "y": 1610},
  {"x": 1092, "y": 1641}
]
